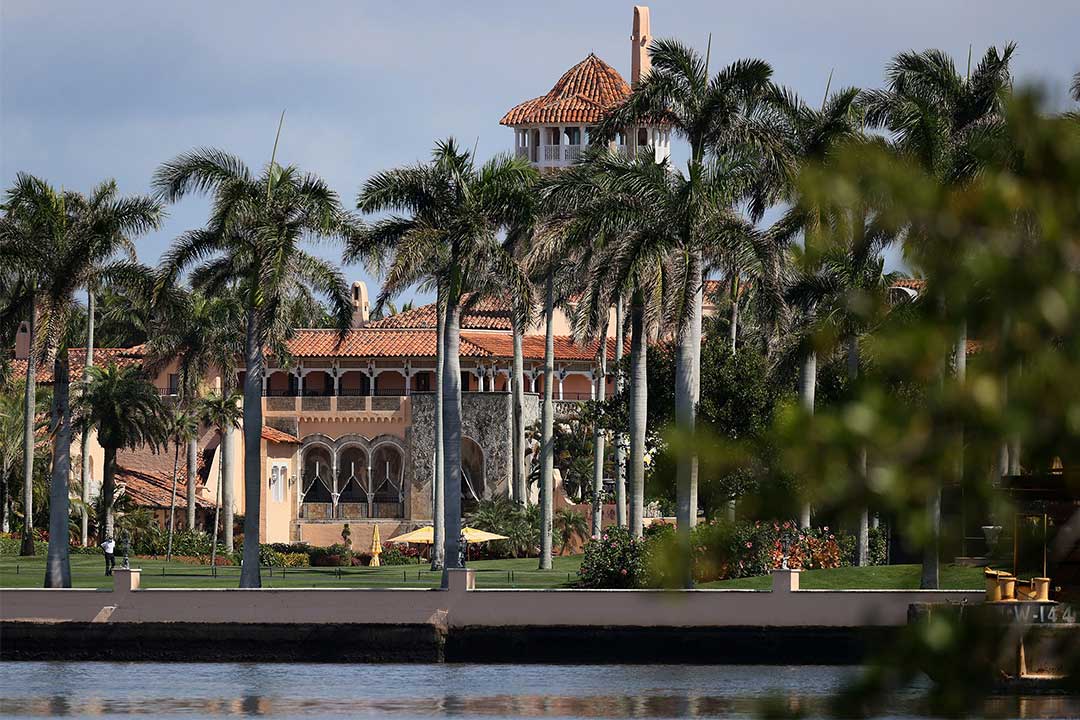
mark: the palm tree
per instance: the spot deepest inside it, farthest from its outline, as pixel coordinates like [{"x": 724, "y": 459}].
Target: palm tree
[
  {"x": 570, "y": 525},
  {"x": 63, "y": 242},
  {"x": 201, "y": 333},
  {"x": 945, "y": 122},
  {"x": 11, "y": 436},
  {"x": 603, "y": 203},
  {"x": 812, "y": 136},
  {"x": 126, "y": 410},
  {"x": 447, "y": 234},
  {"x": 222, "y": 411},
  {"x": 252, "y": 241},
  {"x": 717, "y": 113},
  {"x": 182, "y": 427}
]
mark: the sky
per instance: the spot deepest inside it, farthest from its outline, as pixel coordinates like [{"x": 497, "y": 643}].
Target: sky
[{"x": 97, "y": 90}]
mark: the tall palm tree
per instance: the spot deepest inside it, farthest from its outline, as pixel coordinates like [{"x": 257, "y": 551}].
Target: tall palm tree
[
  {"x": 711, "y": 112},
  {"x": 604, "y": 203},
  {"x": 125, "y": 409},
  {"x": 253, "y": 241},
  {"x": 811, "y": 137},
  {"x": 222, "y": 411},
  {"x": 945, "y": 122},
  {"x": 11, "y": 437},
  {"x": 182, "y": 427},
  {"x": 449, "y": 213},
  {"x": 62, "y": 242},
  {"x": 202, "y": 333}
]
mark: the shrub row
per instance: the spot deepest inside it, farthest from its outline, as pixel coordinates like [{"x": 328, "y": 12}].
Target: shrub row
[{"x": 720, "y": 551}]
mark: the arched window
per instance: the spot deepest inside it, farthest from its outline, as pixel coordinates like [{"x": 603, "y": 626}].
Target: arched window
[
  {"x": 318, "y": 475},
  {"x": 352, "y": 475},
  {"x": 386, "y": 474}
]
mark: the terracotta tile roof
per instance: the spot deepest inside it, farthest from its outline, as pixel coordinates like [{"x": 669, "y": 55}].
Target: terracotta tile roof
[
  {"x": 77, "y": 361},
  {"x": 917, "y": 284},
  {"x": 582, "y": 95},
  {"x": 153, "y": 490},
  {"x": 272, "y": 434},
  {"x": 371, "y": 343},
  {"x": 532, "y": 346},
  {"x": 147, "y": 475},
  {"x": 486, "y": 314}
]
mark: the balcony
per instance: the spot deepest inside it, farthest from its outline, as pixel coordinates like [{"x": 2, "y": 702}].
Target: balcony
[
  {"x": 292, "y": 404},
  {"x": 557, "y": 155},
  {"x": 375, "y": 510}
]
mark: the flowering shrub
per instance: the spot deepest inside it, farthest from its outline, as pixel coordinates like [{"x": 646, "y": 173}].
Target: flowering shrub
[
  {"x": 393, "y": 554},
  {"x": 290, "y": 560},
  {"x": 616, "y": 560},
  {"x": 10, "y": 543}
]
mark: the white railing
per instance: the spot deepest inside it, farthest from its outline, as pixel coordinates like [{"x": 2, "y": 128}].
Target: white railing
[
  {"x": 551, "y": 152},
  {"x": 573, "y": 153}
]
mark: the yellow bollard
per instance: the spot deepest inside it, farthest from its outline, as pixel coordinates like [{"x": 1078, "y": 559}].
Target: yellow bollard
[
  {"x": 993, "y": 589},
  {"x": 1007, "y": 587},
  {"x": 1041, "y": 586}
]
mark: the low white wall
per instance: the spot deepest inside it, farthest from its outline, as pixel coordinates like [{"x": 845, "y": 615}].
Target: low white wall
[{"x": 462, "y": 605}]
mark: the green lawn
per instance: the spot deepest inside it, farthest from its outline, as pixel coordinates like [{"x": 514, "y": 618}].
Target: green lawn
[
  {"x": 87, "y": 571},
  {"x": 885, "y": 577}
]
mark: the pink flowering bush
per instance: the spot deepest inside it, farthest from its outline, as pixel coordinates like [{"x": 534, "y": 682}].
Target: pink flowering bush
[{"x": 616, "y": 560}]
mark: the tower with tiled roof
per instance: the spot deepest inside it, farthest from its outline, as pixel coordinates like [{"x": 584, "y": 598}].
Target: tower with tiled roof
[{"x": 553, "y": 129}]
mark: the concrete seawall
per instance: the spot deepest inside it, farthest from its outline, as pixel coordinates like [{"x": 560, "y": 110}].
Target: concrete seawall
[{"x": 460, "y": 623}]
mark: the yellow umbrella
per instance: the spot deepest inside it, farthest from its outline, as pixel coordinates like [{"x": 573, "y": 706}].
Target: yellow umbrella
[
  {"x": 376, "y": 548},
  {"x": 426, "y": 536}
]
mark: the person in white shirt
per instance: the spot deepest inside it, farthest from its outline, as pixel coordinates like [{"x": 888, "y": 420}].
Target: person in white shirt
[{"x": 109, "y": 545}]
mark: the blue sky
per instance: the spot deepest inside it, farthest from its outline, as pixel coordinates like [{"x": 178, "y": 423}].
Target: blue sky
[{"x": 91, "y": 90}]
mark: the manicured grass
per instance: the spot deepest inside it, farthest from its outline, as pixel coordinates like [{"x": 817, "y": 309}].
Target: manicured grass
[
  {"x": 884, "y": 577},
  {"x": 87, "y": 571}
]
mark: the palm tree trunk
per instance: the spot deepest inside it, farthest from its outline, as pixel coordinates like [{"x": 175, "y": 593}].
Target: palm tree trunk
[
  {"x": 687, "y": 390},
  {"x": 5, "y": 496},
  {"x": 29, "y": 419},
  {"x": 639, "y": 395},
  {"x": 598, "y": 445},
  {"x": 217, "y": 515},
  {"x": 807, "y": 390},
  {"x": 250, "y": 576},
  {"x": 438, "y": 511},
  {"x": 192, "y": 473},
  {"x": 172, "y": 500},
  {"x": 862, "y": 549},
  {"x": 521, "y": 490},
  {"x": 930, "y": 578},
  {"x": 451, "y": 395},
  {"x": 547, "y": 439},
  {"x": 108, "y": 493},
  {"x": 733, "y": 325},
  {"x": 57, "y": 564},
  {"x": 84, "y": 442},
  {"x": 620, "y": 475},
  {"x": 228, "y": 502}
]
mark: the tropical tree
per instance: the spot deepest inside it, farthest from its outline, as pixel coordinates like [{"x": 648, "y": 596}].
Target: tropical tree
[
  {"x": 718, "y": 113},
  {"x": 201, "y": 333},
  {"x": 811, "y": 137},
  {"x": 182, "y": 427},
  {"x": 445, "y": 230},
  {"x": 602, "y": 202},
  {"x": 570, "y": 525},
  {"x": 11, "y": 436},
  {"x": 253, "y": 242},
  {"x": 126, "y": 410},
  {"x": 948, "y": 124},
  {"x": 222, "y": 411},
  {"x": 62, "y": 242}
]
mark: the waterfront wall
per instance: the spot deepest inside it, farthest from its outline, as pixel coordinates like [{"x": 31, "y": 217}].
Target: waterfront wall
[{"x": 461, "y": 605}]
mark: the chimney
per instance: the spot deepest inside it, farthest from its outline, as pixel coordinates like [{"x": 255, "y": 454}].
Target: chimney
[
  {"x": 360, "y": 304},
  {"x": 640, "y": 62}
]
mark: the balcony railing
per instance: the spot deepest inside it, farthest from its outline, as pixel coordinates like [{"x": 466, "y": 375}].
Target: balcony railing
[
  {"x": 290, "y": 404},
  {"x": 562, "y": 153},
  {"x": 552, "y": 153},
  {"x": 352, "y": 511}
]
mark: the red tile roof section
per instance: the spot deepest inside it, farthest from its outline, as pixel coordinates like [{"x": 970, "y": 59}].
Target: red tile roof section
[
  {"x": 77, "y": 361},
  {"x": 532, "y": 346},
  {"x": 582, "y": 95},
  {"x": 371, "y": 343},
  {"x": 486, "y": 314},
  {"x": 272, "y": 434}
]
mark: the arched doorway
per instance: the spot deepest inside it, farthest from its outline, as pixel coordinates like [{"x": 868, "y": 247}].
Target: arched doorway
[
  {"x": 352, "y": 482},
  {"x": 387, "y": 481},
  {"x": 472, "y": 474},
  {"x": 317, "y": 483}
]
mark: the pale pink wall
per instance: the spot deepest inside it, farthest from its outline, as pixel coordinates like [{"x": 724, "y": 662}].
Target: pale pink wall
[{"x": 489, "y": 608}]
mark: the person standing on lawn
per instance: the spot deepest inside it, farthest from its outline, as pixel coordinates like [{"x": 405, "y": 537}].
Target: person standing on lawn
[{"x": 109, "y": 546}]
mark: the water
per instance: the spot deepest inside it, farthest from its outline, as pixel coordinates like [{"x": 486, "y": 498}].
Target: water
[{"x": 162, "y": 690}]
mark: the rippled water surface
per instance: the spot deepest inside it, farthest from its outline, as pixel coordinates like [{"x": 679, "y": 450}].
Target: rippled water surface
[{"x": 463, "y": 691}]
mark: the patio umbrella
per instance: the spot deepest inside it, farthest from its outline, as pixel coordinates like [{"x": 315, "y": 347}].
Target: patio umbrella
[
  {"x": 376, "y": 548},
  {"x": 425, "y": 536}
]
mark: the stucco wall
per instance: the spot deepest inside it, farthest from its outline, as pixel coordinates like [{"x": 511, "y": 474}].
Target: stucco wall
[{"x": 464, "y": 607}]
